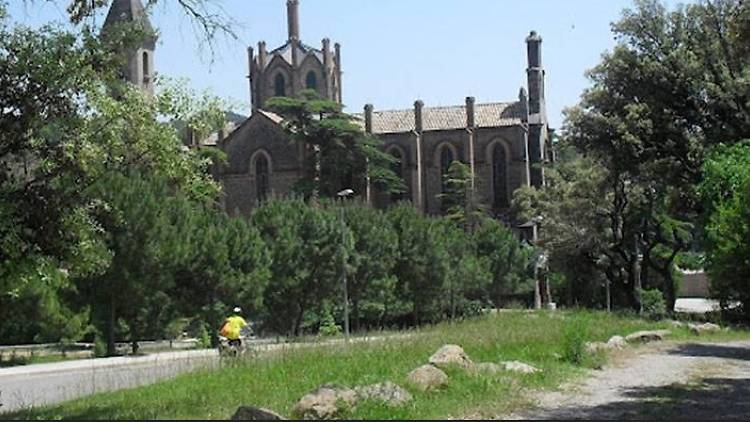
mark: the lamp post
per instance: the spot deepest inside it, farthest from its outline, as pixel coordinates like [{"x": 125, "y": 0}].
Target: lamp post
[{"x": 343, "y": 195}]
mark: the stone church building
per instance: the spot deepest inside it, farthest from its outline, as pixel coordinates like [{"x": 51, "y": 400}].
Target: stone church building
[{"x": 503, "y": 143}]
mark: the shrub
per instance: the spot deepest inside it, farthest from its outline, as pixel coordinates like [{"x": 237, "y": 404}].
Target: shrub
[
  {"x": 575, "y": 333},
  {"x": 328, "y": 326},
  {"x": 204, "y": 339},
  {"x": 653, "y": 302},
  {"x": 100, "y": 346}
]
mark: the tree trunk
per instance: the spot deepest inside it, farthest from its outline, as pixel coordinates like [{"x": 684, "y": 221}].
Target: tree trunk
[
  {"x": 298, "y": 322},
  {"x": 355, "y": 314},
  {"x": 111, "y": 326}
]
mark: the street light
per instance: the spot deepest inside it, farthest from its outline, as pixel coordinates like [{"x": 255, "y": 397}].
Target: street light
[{"x": 343, "y": 195}]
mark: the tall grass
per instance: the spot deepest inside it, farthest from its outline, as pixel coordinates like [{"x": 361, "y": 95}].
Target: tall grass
[{"x": 551, "y": 341}]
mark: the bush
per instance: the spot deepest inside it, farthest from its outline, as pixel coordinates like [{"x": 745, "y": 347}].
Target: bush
[
  {"x": 575, "y": 333},
  {"x": 653, "y": 302},
  {"x": 328, "y": 326},
  {"x": 204, "y": 339},
  {"x": 100, "y": 346}
]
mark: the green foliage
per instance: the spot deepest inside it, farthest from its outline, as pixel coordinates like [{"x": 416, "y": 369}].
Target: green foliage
[
  {"x": 61, "y": 134},
  {"x": 307, "y": 246},
  {"x": 654, "y": 305},
  {"x": 726, "y": 193},
  {"x": 176, "y": 327},
  {"x": 370, "y": 265},
  {"x": 204, "y": 339},
  {"x": 505, "y": 260},
  {"x": 649, "y": 142},
  {"x": 577, "y": 331},
  {"x": 328, "y": 326},
  {"x": 459, "y": 201},
  {"x": 342, "y": 155},
  {"x": 100, "y": 346}
]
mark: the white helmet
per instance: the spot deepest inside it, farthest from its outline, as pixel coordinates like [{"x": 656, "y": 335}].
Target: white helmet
[{"x": 237, "y": 310}]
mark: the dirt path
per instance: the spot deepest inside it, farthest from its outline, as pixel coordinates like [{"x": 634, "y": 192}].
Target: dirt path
[{"x": 670, "y": 381}]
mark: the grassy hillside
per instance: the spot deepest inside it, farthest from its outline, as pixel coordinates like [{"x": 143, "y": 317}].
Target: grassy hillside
[{"x": 278, "y": 381}]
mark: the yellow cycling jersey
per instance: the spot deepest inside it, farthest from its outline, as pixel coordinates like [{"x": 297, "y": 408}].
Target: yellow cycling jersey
[{"x": 234, "y": 326}]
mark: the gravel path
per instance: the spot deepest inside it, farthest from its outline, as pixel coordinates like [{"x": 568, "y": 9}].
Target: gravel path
[{"x": 668, "y": 381}]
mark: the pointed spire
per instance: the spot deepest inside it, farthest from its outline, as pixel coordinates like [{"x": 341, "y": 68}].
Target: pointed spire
[
  {"x": 128, "y": 11},
  {"x": 292, "y": 11}
]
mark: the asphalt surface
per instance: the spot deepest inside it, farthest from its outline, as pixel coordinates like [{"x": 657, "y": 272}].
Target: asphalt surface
[
  {"x": 42, "y": 384},
  {"x": 37, "y": 385}
]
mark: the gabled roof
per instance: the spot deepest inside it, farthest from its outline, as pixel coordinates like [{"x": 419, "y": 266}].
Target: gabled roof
[
  {"x": 273, "y": 117},
  {"x": 285, "y": 52},
  {"x": 445, "y": 118},
  {"x": 128, "y": 11}
]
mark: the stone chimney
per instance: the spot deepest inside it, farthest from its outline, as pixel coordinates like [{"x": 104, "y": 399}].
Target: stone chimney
[
  {"x": 292, "y": 11},
  {"x": 251, "y": 73},
  {"x": 535, "y": 74},
  {"x": 339, "y": 73},
  {"x": 326, "y": 53},
  {"x": 418, "y": 123},
  {"x": 368, "y": 118},
  {"x": 470, "y": 112},
  {"x": 262, "y": 55}
]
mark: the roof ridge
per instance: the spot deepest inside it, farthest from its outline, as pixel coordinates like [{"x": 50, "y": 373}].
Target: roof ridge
[{"x": 445, "y": 107}]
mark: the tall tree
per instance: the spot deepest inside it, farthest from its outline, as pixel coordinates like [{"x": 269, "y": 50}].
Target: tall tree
[
  {"x": 459, "y": 201},
  {"x": 307, "y": 247},
  {"x": 675, "y": 83},
  {"x": 726, "y": 192},
  {"x": 339, "y": 154}
]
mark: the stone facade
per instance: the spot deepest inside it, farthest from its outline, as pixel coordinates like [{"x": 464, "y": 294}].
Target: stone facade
[
  {"x": 501, "y": 142},
  {"x": 294, "y": 67}
]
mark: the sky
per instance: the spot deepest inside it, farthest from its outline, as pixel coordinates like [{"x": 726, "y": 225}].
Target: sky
[{"x": 393, "y": 51}]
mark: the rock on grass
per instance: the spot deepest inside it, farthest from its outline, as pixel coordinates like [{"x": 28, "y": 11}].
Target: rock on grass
[
  {"x": 326, "y": 402},
  {"x": 427, "y": 377},
  {"x": 647, "y": 336},
  {"x": 249, "y": 413},
  {"x": 520, "y": 367},
  {"x": 450, "y": 354},
  {"x": 387, "y": 392}
]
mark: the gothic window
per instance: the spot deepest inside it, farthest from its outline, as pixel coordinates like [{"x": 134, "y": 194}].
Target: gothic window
[
  {"x": 312, "y": 80},
  {"x": 145, "y": 67},
  {"x": 280, "y": 86},
  {"x": 446, "y": 158},
  {"x": 499, "y": 176},
  {"x": 398, "y": 168},
  {"x": 261, "y": 177}
]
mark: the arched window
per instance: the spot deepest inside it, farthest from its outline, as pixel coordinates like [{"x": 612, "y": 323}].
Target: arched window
[
  {"x": 261, "y": 177},
  {"x": 398, "y": 168},
  {"x": 280, "y": 85},
  {"x": 311, "y": 81},
  {"x": 446, "y": 158},
  {"x": 499, "y": 176},
  {"x": 145, "y": 67}
]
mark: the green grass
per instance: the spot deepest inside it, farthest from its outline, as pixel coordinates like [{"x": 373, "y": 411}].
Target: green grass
[{"x": 277, "y": 381}]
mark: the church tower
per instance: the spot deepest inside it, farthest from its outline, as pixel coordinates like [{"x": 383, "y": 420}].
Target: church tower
[
  {"x": 139, "y": 68},
  {"x": 538, "y": 128},
  {"x": 294, "y": 67}
]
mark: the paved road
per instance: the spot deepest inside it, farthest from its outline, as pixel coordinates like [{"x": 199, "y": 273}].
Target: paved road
[{"x": 36, "y": 385}]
